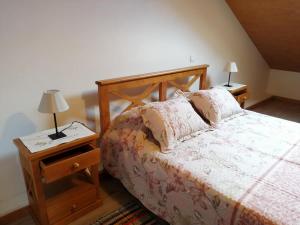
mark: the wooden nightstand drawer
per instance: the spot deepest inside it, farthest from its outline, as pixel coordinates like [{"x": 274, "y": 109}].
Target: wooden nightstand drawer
[
  {"x": 72, "y": 201},
  {"x": 67, "y": 163},
  {"x": 242, "y": 97}
]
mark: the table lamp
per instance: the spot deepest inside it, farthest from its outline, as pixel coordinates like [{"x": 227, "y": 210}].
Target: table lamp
[
  {"x": 231, "y": 68},
  {"x": 53, "y": 102}
]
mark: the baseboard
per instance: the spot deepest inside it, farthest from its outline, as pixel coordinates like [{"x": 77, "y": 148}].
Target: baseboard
[
  {"x": 260, "y": 103},
  {"x": 284, "y": 99},
  {"x": 15, "y": 215}
]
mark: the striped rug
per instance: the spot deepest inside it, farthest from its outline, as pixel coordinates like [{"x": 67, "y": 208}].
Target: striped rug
[{"x": 131, "y": 214}]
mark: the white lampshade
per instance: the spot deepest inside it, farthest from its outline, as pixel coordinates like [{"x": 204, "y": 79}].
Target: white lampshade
[
  {"x": 52, "y": 102},
  {"x": 231, "y": 67}
]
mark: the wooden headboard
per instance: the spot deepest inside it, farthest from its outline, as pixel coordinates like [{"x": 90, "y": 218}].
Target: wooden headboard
[{"x": 159, "y": 80}]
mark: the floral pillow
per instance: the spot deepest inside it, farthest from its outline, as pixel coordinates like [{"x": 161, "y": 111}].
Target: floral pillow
[
  {"x": 215, "y": 104},
  {"x": 171, "y": 120},
  {"x": 127, "y": 128}
]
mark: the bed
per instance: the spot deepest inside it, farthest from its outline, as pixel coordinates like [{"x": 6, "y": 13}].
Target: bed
[{"x": 244, "y": 171}]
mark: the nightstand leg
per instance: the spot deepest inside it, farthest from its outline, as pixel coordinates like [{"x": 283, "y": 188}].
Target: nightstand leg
[
  {"x": 243, "y": 105},
  {"x": 38, "y": 194},
  {"x": 95, "y": 177},
  {"x": 28, "y": 178}
]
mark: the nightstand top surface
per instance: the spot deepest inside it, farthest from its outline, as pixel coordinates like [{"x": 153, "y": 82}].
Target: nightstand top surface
[
  {"x": 235, "y": 87},
  {"x": 56, "y": 145}
]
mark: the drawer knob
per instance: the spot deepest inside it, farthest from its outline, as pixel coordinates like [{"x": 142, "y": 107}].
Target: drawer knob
[
  {"x": 73, "y": 208},
  {"x": 76, "y": 165}
]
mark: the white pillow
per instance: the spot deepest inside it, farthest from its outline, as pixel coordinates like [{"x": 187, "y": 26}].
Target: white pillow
[
  {"x": 171, "y": 120},
  {"x": 215, "y": 104}
]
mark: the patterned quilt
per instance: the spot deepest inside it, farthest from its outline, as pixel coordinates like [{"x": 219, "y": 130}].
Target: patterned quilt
[{"x": 244, "y": 171}]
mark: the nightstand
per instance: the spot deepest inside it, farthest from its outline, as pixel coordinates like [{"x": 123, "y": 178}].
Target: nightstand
[
  {"x": 62, "y": 181},
  {"x": 239, "y": 92}
]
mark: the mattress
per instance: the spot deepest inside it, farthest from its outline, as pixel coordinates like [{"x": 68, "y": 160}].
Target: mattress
[{"x": 244, "y": 171}]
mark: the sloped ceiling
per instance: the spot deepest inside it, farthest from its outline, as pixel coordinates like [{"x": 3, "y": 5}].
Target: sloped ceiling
[{"x": 274, "y": 27}]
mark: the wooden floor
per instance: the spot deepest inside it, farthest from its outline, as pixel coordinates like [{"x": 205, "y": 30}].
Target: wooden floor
[
  {"x": 277, "y": 107},
  {"x": 113, "y": 193}
]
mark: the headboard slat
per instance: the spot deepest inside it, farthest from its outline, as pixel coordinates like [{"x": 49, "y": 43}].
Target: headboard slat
[
  {"x": 163, "y": 91},
  {"x": 152, "y": 80}
]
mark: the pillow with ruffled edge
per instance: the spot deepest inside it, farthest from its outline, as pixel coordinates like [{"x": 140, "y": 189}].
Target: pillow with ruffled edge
[
  {"x": 215, "y": 104},
  {"x": 171, "y": 120}
]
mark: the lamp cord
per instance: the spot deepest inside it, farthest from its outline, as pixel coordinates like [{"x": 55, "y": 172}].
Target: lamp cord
[{"x": 72, "y": 124}]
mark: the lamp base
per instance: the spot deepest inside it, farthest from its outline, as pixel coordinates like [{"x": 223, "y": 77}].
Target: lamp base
[
  {"x": 227, "y": 85},
  {"x": 57, "y": 135}
]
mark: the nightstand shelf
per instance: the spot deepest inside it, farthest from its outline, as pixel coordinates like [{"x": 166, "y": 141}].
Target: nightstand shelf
[
  {"x": 62, "y": 181},
  {"x": 66, "y": 186}
]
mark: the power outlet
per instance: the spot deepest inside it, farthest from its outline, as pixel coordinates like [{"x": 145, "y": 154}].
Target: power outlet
[{"x": 191, "y": 59}]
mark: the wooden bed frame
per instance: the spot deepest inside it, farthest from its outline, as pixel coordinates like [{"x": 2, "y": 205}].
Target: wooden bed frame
[{"x": 159, "y": 80}]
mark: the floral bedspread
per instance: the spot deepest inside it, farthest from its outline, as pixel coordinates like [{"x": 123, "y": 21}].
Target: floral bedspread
[{"x": 244, "y": 171}]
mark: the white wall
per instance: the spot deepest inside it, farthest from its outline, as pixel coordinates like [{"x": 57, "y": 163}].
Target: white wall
[
  {"x": 284, "y": 83},
  {"x": 69, "y": 44}
]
